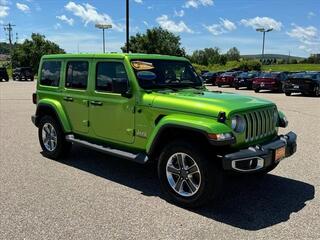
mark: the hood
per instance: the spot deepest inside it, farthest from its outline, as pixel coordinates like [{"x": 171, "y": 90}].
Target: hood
[{"x": 205, "y": 102}]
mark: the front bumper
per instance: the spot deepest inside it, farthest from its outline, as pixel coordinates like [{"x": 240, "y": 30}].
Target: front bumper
[{"x": 259, "y": 157}]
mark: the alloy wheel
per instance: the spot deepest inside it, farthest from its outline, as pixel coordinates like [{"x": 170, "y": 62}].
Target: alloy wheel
[{"x": 183, "y": 174}]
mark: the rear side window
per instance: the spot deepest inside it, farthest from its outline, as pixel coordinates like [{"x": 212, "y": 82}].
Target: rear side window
[
  {"x": 77, "y": 74},
  {"x": 50, "y": 73},
  {"x": 107, "y": 72}
]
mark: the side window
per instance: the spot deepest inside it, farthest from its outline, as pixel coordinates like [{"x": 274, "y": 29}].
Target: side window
[
  {"x": 108, "y": 73},
  {"x": 77, "y": 74},
  {"x": 50, "y": 73}
]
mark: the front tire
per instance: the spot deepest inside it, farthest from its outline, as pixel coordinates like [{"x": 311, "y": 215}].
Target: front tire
[
  {"x": 288, "y": 94},
  {"x": 52, "y": 138},
  {"x": 256, "y": 90},
  {"x": 186, "y": 175}
]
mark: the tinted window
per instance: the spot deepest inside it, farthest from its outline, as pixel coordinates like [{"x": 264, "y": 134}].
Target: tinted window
[
  {"x": 50, "y": 73},
  {"x": 107, "y": 72},
  {"x": 77, "y": 75},
  {"x": 168, "y": 73}
]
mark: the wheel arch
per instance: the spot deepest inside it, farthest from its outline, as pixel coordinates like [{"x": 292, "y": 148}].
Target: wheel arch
[
  {"x": 185, "y": 127},
  {"x": 55, "y": 110}
]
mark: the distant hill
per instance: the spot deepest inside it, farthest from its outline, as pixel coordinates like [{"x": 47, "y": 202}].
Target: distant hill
[{"x": 270, "y": 56}]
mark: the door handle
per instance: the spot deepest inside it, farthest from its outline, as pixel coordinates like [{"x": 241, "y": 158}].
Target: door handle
[
  {"x": 96, "y": 103},
  {"x": 68, "y": 99}
]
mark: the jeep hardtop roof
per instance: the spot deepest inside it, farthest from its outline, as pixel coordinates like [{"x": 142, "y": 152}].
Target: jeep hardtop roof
[{"x": 115, "y": 56}]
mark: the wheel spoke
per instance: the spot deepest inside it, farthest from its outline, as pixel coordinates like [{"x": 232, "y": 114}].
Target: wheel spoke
[
  {"x": 173, "y": 170},
  {"x": 193, "y": 169},
  {"x": 180, "y": 161},
  {"x": 191, "y": 185},
  {"x": 179, "y": 184},
  {"x": 46, "y": 140},
  {"x": 46, "y": 129}
]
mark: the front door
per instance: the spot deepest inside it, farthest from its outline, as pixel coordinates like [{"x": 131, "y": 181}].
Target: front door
[
  {"x": 75, "y": 95},
  {"x": 111, "y": 115}
]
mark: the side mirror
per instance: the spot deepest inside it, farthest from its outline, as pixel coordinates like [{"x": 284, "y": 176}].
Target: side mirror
[{"x": 121, "y": 85}]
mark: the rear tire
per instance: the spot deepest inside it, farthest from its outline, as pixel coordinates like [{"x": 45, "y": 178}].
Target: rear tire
[
  {"x": 52, "y": 138},
  {"x": 287, "y": 94},
  {"x": 257, "y": 90},
  {"x": 178, "y": 183}
]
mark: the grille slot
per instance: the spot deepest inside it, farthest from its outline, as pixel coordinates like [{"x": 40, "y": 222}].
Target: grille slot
[{"x": 259, "y": 124}]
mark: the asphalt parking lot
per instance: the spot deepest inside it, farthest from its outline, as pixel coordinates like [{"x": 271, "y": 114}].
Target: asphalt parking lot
[{"x": 94, "y": 196}]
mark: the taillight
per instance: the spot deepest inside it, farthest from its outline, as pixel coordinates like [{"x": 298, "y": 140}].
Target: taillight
[{"x": 34, "y": 98}]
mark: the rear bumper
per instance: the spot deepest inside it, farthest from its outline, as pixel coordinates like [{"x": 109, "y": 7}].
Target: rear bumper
[{"x": 257, "y": 158}]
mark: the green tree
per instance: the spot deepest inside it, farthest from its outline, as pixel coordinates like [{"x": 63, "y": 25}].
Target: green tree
[
  {"x": 206, "y": 56},
  {"x": 156, "y": 41},
  {"x": 30, "y": 51},
  {"x": 233, "y": 54}
]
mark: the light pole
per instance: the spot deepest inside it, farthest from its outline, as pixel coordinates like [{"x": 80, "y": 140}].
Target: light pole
[
  {"x": 263, "y": 30},
  {"x": 127, "y": 26},
  {"x": 103, "y": 27}
]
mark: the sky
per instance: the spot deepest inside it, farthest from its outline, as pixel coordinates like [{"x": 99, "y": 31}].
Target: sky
[{"x": 199, "y": 23}]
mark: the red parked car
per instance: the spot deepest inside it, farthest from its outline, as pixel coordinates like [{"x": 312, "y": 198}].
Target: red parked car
[
  {"x": 226, "y": 78},
  {"x": 269, "y": 81}
]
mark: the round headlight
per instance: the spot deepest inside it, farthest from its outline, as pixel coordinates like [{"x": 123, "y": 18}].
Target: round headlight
[{"x": 238, "y": 124}]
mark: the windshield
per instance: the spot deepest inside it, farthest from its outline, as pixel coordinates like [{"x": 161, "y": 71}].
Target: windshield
[
  {"x": 304, "y": 75},
  {"x": 247, "y": 75},
  {"x": 165, "y": 73},
  {"x": 227, "y": 74},
  {"x": 269, "y": 75}
]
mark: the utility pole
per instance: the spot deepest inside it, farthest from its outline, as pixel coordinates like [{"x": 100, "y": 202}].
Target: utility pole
[
  {"x": 127, "y": 25},
  {"x": 8, "y": 27}
]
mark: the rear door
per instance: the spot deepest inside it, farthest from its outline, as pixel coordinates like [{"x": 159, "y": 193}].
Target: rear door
[
  {"x": 111, "y": 115},
  {"x": 75, "y": 95}
]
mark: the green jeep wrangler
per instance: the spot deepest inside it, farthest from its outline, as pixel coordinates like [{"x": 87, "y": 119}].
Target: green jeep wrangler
[{"x": 154, "y": 108}]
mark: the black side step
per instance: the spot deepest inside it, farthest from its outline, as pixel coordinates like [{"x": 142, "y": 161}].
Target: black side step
[{"x": 138, "y": 158}]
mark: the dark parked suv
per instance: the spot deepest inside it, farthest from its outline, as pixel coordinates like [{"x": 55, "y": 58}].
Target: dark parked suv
[
  {"x": 270, "y": 81},
  {"x": 3, "y": 74},
  {"x": 211, "y": 77},
  {"x": 245, "y": 79},
  {"x": 23, "y": 73},
  {"x": 307, "y": 83}
]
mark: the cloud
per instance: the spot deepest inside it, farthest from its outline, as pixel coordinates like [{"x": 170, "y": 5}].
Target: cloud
[
  {"x": 172, "y": 26},
  {"x": 179, "y": 13},
  {"x": 197, "y": 3},
  {"x": 57, "y": 26},
  {"x": 146, "y": 23},
  {"x": 309, "y": 37},
  {"x": 138, "y": 1},
  {"x": 4, "y": 2},
  {"x": 224, "y": 26},
  {"x": 262, "y": 22},
  {"x": 227, "y": 24},
  {"x": 65, "y": 19},
  {"x": 23, "y": 7},
  {"x": 4, "y": 11},
  {"x": 89, "y": 14},
  {"x": 311, "y": 14}
]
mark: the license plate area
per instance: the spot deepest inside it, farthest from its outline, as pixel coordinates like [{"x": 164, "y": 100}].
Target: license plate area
[{"x": 280, "y": 154}]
